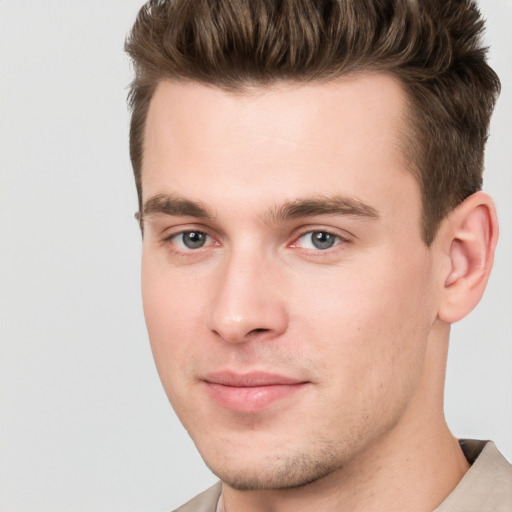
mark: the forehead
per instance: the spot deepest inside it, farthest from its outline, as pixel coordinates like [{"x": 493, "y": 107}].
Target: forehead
[
  {"x": 358, "y": 106},
  {"x": 281, "y": 142}
]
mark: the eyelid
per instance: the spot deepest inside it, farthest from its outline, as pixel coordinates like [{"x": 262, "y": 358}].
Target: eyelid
[
  {"x": 178, "y": 239},
  {"x": 171, "y": 230},
  {"x": 342, "y": 235},
  {"x": 176, "y": 231}
]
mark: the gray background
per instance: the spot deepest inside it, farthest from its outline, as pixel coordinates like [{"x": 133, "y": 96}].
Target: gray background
[{"x": 84, "y": 423}]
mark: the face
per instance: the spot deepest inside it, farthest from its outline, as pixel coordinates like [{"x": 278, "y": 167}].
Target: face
[{"x": 286, "y": 287}]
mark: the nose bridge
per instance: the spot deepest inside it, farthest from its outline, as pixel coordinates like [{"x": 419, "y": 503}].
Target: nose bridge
[{"x": 246, "y": 301}]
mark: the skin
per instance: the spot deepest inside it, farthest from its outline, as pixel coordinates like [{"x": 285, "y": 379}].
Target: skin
[{"x": 363, "y": 325}]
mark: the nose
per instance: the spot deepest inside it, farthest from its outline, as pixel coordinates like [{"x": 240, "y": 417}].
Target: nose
[{"x": 247, "y": 303}]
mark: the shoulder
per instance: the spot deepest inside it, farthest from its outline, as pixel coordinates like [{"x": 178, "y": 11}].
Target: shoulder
[
  {"x": 204, "y": 502},
  {"x": 487, "y": 486}
]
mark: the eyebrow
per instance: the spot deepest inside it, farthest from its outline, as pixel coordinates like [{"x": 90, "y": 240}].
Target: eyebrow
[
  {"x": 177, "y": 206},
  {"x": 324, "y": 205},
  {"x": 174, "y": 205}
]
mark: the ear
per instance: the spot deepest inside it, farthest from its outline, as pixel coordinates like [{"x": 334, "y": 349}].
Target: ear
[{"x": 468, "y": 238}]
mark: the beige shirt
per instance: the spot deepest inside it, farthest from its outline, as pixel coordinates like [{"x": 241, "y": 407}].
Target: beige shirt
[{"x": 486, "y": 487}]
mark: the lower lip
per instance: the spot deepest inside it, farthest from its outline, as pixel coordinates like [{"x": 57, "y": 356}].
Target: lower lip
[{"x": 252, "y": 398}]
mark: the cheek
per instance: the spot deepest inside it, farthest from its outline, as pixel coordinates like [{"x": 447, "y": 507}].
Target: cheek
[
  {"x": 371, "y": 334},
  {"x": 171, "y": 314}
]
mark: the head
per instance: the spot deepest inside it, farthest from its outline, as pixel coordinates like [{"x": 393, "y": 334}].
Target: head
[{"x": 307, "y": 176}]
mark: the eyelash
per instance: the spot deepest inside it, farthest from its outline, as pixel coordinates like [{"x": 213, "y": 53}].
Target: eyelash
[
  {"x": 182, "y": 250},
  {"x": 338, "y": 240}
]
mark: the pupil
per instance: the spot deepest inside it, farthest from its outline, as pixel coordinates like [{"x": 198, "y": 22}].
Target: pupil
[
  {"x": 194, "y": 239},
  {"x": 322, "y": 240}
]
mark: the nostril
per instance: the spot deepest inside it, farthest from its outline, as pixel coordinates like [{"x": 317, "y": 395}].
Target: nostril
[{"x": 255, "y": 331}]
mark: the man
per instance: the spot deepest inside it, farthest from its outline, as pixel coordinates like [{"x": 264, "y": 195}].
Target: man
[{"x": 309, "y": 178}]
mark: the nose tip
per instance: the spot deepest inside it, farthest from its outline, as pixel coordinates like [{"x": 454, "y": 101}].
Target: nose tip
[
  {"x": 237, "y": 329},
  {"x": 255, "y": 317},
  {"x": 230, "y": 327}
]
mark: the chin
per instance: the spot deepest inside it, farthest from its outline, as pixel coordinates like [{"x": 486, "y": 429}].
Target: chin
[{"x": 281, "y": 471}]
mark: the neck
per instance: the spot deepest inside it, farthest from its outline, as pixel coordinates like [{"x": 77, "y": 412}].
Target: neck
[{"x": 414, "y": 466}]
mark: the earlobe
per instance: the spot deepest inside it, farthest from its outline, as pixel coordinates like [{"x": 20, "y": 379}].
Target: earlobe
[{"x": 470, "y": 234}]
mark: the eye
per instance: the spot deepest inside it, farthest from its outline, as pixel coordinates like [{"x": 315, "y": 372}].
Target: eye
[
  {"x": 189, "y": 240},
  {"x": 319, "y": 240}
]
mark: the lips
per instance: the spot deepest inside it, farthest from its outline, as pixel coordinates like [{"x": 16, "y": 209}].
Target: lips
[{"x": 250, "y": 392}]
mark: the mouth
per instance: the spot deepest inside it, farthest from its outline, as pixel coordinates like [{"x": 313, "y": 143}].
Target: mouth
[{"x": 250, "y": 392}]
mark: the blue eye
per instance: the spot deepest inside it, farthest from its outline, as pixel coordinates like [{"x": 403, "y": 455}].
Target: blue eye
[
  {"x": 190, "y": 239},
  {"x": 319, "y": 240}
]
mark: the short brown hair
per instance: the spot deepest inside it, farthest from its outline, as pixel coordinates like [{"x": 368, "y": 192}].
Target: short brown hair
[{"x": 432, "y": 46}]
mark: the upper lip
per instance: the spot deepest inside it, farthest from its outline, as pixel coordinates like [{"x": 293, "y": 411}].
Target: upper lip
[{"x": 250, "y": 379}]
